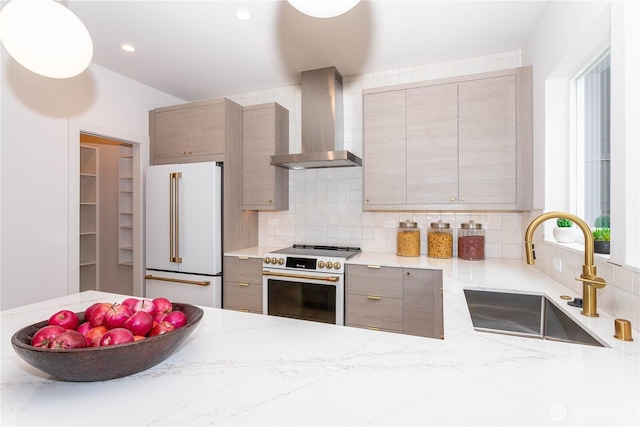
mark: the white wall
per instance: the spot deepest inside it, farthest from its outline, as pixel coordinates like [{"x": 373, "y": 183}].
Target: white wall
[
  {"x": 625, "y": 131},
  {"x": 568, "y": 33},
  {"x": 35, "y": 163},
  {"x": 568, "y": 36}
]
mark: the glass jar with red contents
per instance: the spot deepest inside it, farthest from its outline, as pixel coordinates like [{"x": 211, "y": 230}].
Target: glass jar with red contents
[{"x": 471, "y": 241}]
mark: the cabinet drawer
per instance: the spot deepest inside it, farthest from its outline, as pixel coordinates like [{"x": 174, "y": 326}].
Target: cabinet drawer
[
  {"x": 242, "y": 269},
  {"x": 382, "y": 281},
  {"x": 242, "y": 296},
  {"x": 384, "y": 313}
]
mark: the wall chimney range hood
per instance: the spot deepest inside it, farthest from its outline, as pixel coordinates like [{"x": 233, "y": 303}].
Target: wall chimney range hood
[{"x": 322, "y": 124}]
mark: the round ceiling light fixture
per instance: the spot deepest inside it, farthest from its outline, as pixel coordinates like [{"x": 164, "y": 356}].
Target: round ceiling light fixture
[
  {"x": 323, "y": 8},
  {"x": 46, "y": 38}
]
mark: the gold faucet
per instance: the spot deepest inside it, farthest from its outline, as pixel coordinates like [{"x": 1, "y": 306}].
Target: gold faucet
[{"x": 590, "y": 281}]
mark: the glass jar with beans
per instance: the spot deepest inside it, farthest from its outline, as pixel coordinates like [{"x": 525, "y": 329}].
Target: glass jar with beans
[{"x": 471, "y": 241}]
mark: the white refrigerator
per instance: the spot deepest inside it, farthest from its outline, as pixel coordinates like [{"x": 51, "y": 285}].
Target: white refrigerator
[{"x": 183, "y": 233}]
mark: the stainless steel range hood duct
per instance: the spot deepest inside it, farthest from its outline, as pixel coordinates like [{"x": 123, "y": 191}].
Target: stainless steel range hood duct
[{"x": 322, "y": 124}]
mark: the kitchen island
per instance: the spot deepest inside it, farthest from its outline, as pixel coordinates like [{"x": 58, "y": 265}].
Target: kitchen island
[{"x": 250, "y": 369}]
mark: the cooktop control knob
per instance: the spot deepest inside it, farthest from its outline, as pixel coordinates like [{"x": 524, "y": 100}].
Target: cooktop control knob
[
  {"x": 329, "y": 264},
  {"x": 274, "y": 260},
  {"x": 336, "y": 265},
  {"x": 280, "y": 261},
  {"x": 267, "y": 260},
  {"x": 320, "y": 264}
]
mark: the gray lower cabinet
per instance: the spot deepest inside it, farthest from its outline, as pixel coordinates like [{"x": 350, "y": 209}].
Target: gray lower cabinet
[
  {"x": 242, "y": 284},
  {"x": 402, "y": 300},
  {"x": 423, "y": 305}
]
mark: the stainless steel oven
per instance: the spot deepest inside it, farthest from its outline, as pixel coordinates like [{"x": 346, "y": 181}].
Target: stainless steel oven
[{"x": 306, "y": 282}]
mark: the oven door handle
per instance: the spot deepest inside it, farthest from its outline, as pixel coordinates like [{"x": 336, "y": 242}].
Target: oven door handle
[{"x": 301, "y": 276}]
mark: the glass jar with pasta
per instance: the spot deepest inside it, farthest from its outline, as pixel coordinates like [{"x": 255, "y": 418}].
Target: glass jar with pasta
[
  {"x": 440, "y": 240},
  {"x": 408, "y": 239}
]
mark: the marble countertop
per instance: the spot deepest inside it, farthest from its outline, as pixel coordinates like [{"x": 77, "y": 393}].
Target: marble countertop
[{"x": 249, "y": 369}]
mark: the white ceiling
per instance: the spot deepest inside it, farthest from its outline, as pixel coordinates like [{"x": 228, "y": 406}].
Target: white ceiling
[{"x": 198, "y": 49}]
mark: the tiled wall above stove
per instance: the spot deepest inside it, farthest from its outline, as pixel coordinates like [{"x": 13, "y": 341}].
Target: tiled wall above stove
[{"x": 325, "y": 205}]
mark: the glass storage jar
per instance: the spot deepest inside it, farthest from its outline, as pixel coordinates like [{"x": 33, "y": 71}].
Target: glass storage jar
[
  {"x": 471, "y": 241},
  {"x": 408, "y": 239},
  {"x": 440, "y": 240}
]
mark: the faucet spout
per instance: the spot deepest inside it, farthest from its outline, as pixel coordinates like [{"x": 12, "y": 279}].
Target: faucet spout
[{"x": 590, "y": 281}]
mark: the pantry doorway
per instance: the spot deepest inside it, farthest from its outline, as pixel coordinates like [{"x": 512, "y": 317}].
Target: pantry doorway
[{"x": 105, "y": 210}]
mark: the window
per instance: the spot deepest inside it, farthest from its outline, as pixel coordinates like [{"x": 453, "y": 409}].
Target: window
[{"x": 593, "y": 153}]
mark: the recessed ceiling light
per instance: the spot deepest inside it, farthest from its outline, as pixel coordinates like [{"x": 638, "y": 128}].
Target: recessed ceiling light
[
  {"x": 243, "y": 15},
  {"x": 127, "y": 47}
]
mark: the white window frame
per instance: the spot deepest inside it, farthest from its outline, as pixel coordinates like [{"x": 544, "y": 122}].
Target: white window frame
[{"x": 577, "y": 149}]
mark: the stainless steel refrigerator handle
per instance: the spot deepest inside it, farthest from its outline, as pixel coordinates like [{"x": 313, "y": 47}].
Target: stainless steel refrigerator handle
[
  {"x": 188, "y": 282},
  {"x": 174, "y": 217}
]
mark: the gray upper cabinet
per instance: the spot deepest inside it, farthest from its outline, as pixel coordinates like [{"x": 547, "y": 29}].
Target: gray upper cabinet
[
  {"x": 385, "y": 173},
  {"x": 266, "y": 133},
  {"x": 432, "y": 144},
  {"x": 456, "y": 143},
  {"x": 205, "y": 131},
  {"x": 187, "y": 133},
  {"x": 488, "y": 145}
]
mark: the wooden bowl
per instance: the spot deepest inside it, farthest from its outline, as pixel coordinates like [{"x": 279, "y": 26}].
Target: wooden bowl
[{"x": 104, "y": 363}]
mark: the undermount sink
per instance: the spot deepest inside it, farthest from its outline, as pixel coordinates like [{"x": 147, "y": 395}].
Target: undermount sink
[{"x": 526, "y": 315}]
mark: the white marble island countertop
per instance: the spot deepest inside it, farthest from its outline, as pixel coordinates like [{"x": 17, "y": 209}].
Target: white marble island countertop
[{"x": 248, "y": 369}]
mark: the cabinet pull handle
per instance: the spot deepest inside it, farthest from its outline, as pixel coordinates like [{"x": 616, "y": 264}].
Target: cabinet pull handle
[
  {"x": 373, "y": 328},
  {"x": 301, "y": 276},
  {"x": 374, "y": 297},
  {"x": 244, "y": 310},
  {"x": 243, "y": 284},
  {"x": 188, "y": 282},
  {"x": 243, "y": 257},
  {"x": 373, "y": 266}
]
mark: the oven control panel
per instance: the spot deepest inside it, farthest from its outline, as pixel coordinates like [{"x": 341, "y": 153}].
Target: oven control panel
[{"x": 305, "y": 263}]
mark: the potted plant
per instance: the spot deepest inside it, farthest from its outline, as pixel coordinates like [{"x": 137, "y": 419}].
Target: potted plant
[
  {"x": 602, "y": 234},
  {"x": 564, "y": 231},
  {"x": 601, "y": 240}
]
